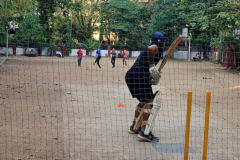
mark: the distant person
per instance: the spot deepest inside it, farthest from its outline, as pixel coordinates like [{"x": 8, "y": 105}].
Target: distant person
[
  {"x": 113, "y": 57},
  {"x": 124, "y": 57},
  {"x": 99, "y": 56},
  {"x": 79, "y": 52},
  {"x": 198, "y": 56}
]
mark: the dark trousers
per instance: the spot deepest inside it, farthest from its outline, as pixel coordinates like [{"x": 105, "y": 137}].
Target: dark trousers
[
  {"x": 97, "y": 60},
  {"x": 113, "y": 61}
]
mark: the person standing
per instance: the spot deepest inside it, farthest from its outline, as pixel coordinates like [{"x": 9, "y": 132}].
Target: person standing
[
  {"x": 139, "y": 79},
  {"x": 79, "y": 52},
  {"x": 124, "y": 57},
  {"x": 113, "y": 57},
  {"x": 99, "y": 56}
]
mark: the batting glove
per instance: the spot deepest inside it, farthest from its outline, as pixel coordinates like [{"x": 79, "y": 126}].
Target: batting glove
[
  {"x": 155, "y": 81},
  {"x": 155, "y": 73}
]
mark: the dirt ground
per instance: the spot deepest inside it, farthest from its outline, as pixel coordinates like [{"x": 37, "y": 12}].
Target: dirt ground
[{"x": 52, "y": 109}]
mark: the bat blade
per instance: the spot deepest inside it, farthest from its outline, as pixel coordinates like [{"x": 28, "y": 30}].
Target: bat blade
[{"x": 170, "y": 50}]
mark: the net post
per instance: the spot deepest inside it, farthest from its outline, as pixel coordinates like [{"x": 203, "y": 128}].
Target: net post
[
  {"x": 188, "y": 119},
  {"x": 207, "y": 113}
]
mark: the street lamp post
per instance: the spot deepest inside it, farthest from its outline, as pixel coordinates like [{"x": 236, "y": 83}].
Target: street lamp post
[
  {"x": 11, "y": 28},
  {"x": 185, "y": 33},
  {"x": 7, "y": 44},
  {"x": 189, "y": 48},
  {"x": 100, "y": 22}
]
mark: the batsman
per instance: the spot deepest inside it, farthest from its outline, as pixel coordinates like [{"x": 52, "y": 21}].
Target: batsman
[{"x": 139, "y": 79}]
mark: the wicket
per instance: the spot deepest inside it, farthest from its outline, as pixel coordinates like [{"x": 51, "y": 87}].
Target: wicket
[{"x": 188, "y": 120}]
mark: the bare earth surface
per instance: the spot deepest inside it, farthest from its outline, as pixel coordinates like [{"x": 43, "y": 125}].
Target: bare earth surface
[{"x": 52, "y": 109}]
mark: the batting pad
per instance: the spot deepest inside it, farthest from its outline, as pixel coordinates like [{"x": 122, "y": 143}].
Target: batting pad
[{"x": 153, "y": 115}]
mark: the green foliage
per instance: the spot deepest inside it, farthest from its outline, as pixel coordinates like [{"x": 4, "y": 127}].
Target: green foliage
[
  {"x": 215, "y": 23},
  {"x": 221, "y": 16},
  {"x": 85, "y": 17},
  {"x": 46, "y": 10},
  {"x": 167, "y": 18},
  {"x": 30, "y": 29},
  {"x": 89, "y": 45},
  {"x": 2, "y": 34},
  {"x": 126, "y": 22},
  {"x": 62, "y": 22},
  {"x": 68, "y": 40},
  {"x": 12, "y": 10}
]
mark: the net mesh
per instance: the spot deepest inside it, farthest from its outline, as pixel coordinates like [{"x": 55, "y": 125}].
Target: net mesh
[{"x": 52, "y": 107}]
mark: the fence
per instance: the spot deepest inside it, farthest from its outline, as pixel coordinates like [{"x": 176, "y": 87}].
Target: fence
[{"x": 55, "y": 108}]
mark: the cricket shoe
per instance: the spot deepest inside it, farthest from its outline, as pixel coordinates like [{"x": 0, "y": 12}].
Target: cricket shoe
[
  {"x": 149, "y": 138},
  {"x": 131, "y": 131}
]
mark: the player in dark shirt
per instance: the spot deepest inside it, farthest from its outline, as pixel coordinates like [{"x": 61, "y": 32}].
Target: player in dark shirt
[
  {"x": 140, "y": 78},
  {"x": 113, "y": 57}
]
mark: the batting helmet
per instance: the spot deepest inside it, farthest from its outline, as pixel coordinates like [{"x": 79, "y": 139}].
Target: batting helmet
[{"x": 156, "y": 37}]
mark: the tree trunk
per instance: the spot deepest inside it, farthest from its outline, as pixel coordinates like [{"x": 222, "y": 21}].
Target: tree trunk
[{"x": 87, "y": 52}]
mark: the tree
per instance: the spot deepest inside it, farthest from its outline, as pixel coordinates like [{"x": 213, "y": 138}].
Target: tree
[
  {"x": 124, "y": 20},
  {"x": 74, "y": 22},
  {"x": 85, "y": 16},
  {"x": 46, "y": 10},
  {"x": 30, "y": 30},
  {"x": 12, "y": 10},
  {"x": 167, "y": 18},
  {"x": 90, "y": 45},
  {"x": 215, "y": 22}
]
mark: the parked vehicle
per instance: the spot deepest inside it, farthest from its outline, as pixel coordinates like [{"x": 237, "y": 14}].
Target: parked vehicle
[
  {"x": 31, "y": 52},
  {"x": 58, "y": 54}
]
